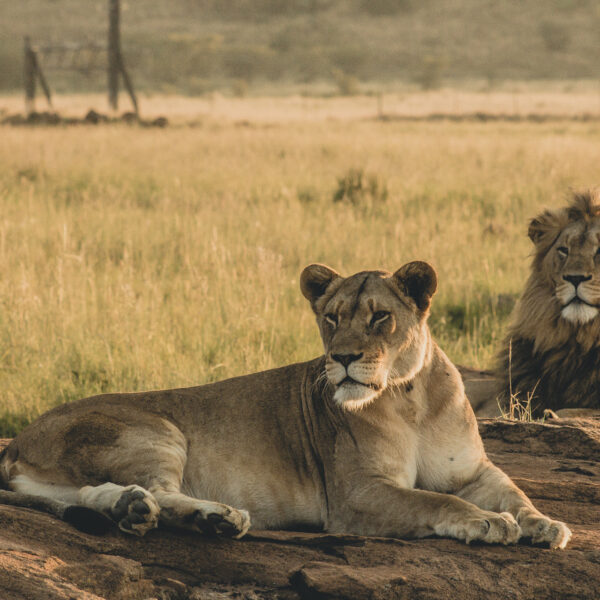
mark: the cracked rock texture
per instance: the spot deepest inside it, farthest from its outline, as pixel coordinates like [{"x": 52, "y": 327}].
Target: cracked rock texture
[{"x": 557, "y": 464}]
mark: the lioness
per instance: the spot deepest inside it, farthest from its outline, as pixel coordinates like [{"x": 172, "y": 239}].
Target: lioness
[
  {"x": 374, "y": 438},
  {"x": 551, "y": 353}
]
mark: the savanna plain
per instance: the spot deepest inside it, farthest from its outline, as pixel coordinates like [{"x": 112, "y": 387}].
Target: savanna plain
[{"x": 139, "y": 258}]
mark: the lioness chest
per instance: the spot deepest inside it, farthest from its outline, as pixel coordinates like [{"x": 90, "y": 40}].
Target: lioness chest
[
  {"x": 446, "y": 461},
  {"x": 437, "y": 453},
  {"x": 449, "y": 448}
]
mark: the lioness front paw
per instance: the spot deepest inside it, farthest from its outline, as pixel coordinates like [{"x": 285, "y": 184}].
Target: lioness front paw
[
  {"x": 493, "y": 528},
  {"x": 541, "y": 530},
  {"x": 135, "y": 511},
  {"x": 221, "y": 519}
]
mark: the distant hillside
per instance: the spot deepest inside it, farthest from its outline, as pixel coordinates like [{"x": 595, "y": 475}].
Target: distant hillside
[{"x": 194, "y": 46}]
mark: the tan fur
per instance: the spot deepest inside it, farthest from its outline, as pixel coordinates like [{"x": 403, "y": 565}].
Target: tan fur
[
  {"x": 374, "y": 438},
  {"x": 552, "y": 350}
]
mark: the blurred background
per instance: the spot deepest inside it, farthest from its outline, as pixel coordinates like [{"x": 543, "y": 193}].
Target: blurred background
[{"x": 315, "y": 47}]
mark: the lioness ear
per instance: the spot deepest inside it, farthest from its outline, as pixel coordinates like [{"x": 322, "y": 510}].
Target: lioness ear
[
  {"x": 545, "y": 228},
  {"x": 418, "y": 280},
  {"x": 315, "y": 280}
]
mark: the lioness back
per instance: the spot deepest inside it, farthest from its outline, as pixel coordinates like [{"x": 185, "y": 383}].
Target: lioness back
[{"x": 255, "y": 449}]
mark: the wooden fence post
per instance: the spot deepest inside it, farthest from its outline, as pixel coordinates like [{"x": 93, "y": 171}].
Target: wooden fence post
[
  {"x": 128, "y": 84},
  {"x": 42, "y": 78},
  {"x": 32, "y": 68},
  {"x": 116, "y": 64},
  {"x": 114, "y": 53},
  {"x": 29, "y": 76}
]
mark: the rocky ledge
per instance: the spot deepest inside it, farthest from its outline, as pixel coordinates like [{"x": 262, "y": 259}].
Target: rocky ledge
[{"x": 557, "y": 464}]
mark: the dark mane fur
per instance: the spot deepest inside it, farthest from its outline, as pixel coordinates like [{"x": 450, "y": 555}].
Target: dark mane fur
[
  {"x": 584, "y": 206},
  {"x": 566, "y": 377}
]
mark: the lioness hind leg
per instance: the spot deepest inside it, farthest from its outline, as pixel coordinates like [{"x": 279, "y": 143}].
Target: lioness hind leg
[
  {"x": 133, "y": 508},
  {"x": 179, "y": 510},
  {"x": 155, "y": 458},
  {"x": 151, "y": 454}
]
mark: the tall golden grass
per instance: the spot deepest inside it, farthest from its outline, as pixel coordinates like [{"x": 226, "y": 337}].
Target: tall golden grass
[{"x": 138, "y": 258}]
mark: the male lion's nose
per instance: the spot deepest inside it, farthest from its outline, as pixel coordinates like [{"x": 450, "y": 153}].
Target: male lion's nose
[
  {"x": 576, "y": 279},
  {"x": 346, "y": 359}
]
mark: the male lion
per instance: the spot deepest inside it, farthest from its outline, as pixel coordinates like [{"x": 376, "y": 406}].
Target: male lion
[
  {"x": 552, "y": 351},
  {"x": 374, "y": 438}
]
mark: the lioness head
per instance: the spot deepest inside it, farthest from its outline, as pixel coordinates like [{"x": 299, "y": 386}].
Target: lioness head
[
  {"x": 568, "y": 256},
  {"x": 373, "y": 327}
]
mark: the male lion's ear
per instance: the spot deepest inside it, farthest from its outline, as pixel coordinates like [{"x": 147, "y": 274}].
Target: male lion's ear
[
  {"x": 545, "y": 228},
  {"x": 315, "y": 280},
  {"x": 418, "y": 280}
]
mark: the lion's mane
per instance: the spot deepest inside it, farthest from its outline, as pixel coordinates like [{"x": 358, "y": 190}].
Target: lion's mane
[{"x": 545, "y": 357}]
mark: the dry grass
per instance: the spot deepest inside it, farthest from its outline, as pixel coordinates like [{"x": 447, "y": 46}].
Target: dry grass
[
  {"x": 135, "y": 259},
  {"x": 519, "y": 408}
]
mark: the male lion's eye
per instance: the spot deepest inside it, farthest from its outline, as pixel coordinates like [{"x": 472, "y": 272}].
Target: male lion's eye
[
  {"x": 563, "y": 251},
  {"x": 331, "y": 319},
  {"x": 379, "y": 317}
]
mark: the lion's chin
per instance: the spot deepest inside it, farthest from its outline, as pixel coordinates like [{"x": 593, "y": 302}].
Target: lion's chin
[
  {"x": 579, "y": 313},
  {"x": 354, "y": 396}
]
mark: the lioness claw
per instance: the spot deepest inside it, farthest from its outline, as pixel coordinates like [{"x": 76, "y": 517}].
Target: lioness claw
[
  {"x": 135, "y": 511},
  {"x": 543, "y": 530}
]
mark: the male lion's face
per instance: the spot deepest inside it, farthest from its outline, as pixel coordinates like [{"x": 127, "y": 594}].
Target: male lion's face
[
  {"x": 373, "y": 327},
  {"x": 571, "y": 263},
  {"x": 575, "y": 267}
]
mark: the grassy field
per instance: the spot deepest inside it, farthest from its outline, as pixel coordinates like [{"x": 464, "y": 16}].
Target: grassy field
[{"x": 139, "y": 258}]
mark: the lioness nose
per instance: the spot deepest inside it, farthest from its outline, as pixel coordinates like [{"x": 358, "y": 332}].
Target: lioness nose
[
  {"x": 576, "y": 279},
  {"x": 346, "y": 359}
]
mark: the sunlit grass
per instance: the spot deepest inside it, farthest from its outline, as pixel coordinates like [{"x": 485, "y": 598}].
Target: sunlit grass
[{"x": 135, "y": 259}]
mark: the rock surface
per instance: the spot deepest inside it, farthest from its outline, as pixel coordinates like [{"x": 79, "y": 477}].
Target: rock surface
[{"x": 557, "y": 464}]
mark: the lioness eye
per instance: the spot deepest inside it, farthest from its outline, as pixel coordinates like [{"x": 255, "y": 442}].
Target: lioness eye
[
  {"x": 331, "y": 319},
  {"x": 563, "y": 251},
  {"x": 379, "y": 317}
]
